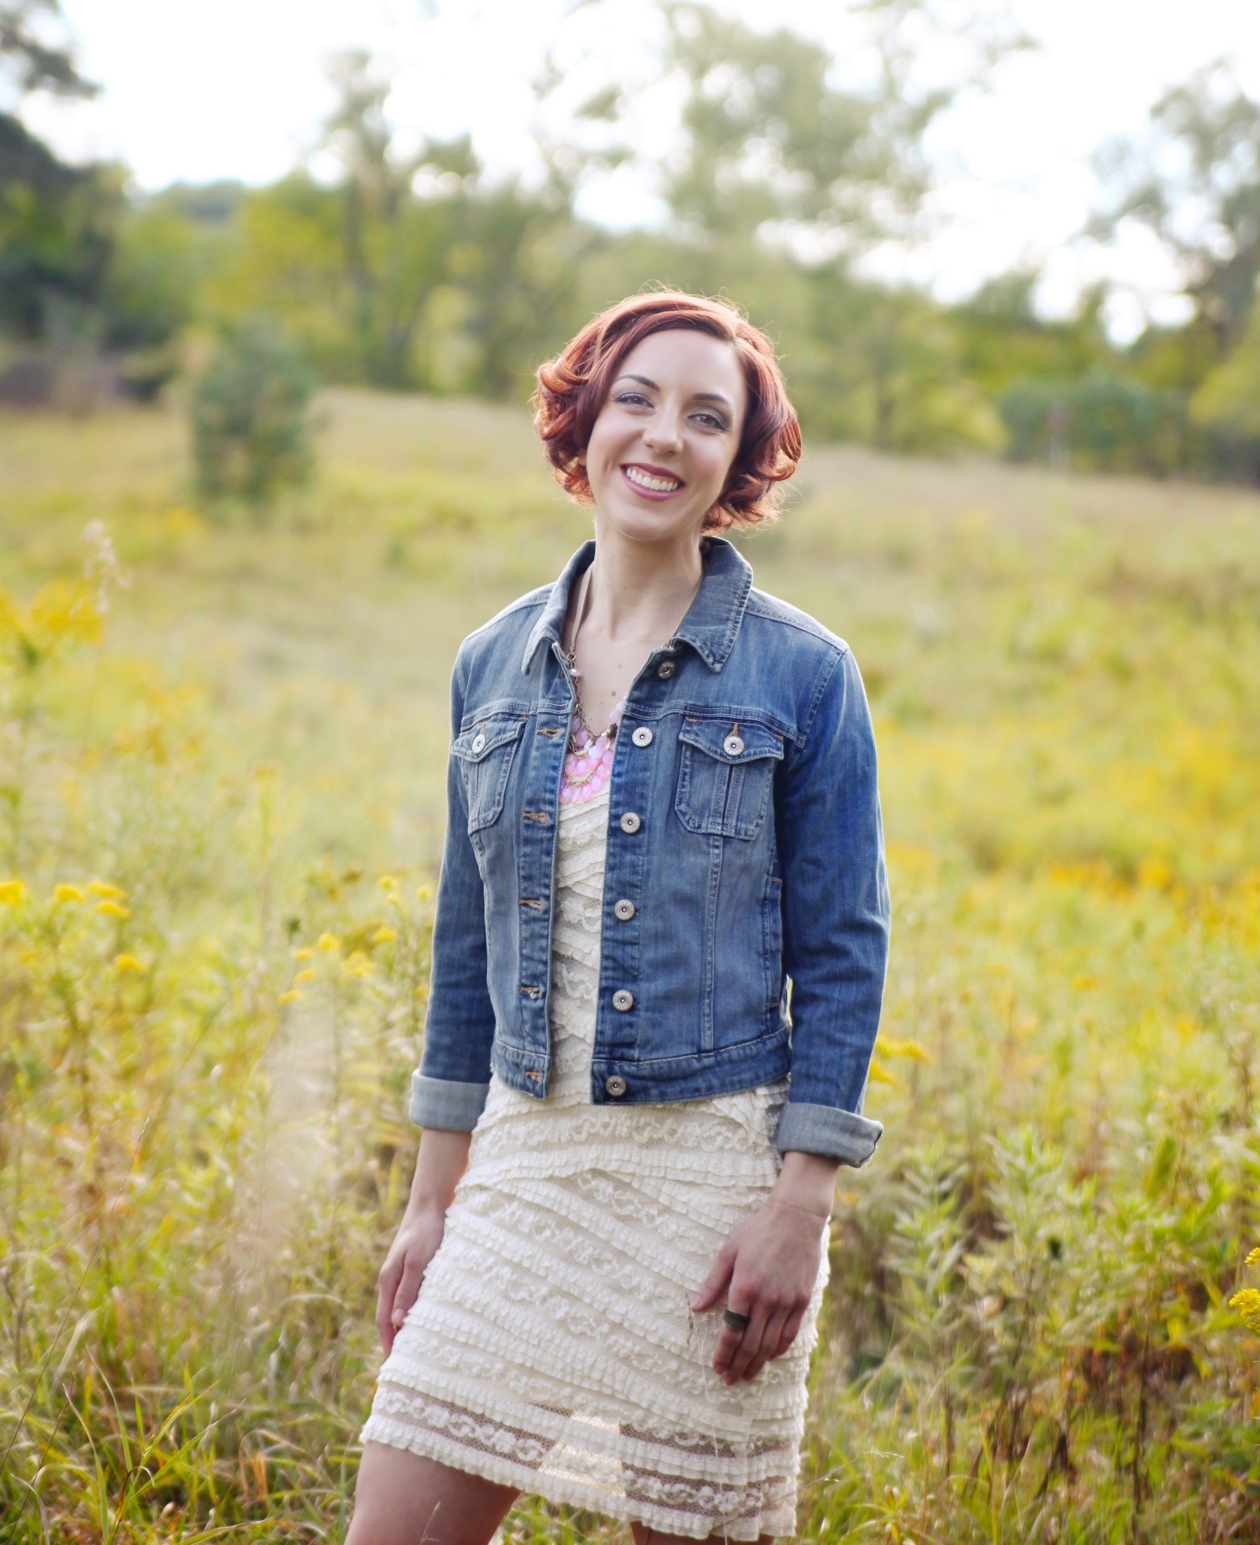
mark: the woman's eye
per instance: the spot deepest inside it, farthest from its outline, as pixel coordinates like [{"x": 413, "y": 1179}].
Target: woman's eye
[
  {"x": 634, "y": 399},
  {"x": 710, "y": 421}
]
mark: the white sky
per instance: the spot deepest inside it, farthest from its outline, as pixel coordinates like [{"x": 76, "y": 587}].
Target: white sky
[{"x": 196, "y": 90}]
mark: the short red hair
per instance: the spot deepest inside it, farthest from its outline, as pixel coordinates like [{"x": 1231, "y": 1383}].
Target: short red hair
[{"x": 573, "y": 387}]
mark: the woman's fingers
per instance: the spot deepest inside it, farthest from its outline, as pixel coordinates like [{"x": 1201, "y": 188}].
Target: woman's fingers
[
  {"x": 769, "y": 1344},
  {"x": 716, "y": 1283},
  {"x": 734, "y": 1347},
  {"x": 386, "y": 1291},
  {"x": 791, "y": 1329},
  {"x": 408, "y": 1287}
]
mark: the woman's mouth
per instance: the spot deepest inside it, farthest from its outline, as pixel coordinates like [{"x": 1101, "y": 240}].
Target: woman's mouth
[{"x": 651, "y": 482}]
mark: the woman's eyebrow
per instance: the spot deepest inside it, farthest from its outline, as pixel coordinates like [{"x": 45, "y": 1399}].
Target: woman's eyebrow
[{"x": 696, "y": 396}]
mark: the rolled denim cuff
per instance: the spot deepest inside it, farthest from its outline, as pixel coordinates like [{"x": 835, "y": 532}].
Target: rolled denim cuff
[
  {"x": 444, "y": 1105},
  {"x": 833, "y": 1134}
]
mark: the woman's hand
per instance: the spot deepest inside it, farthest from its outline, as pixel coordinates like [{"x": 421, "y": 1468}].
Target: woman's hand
[
  {"x": 442, "y": 1159},
  {"x": 768, "y": 1267}
]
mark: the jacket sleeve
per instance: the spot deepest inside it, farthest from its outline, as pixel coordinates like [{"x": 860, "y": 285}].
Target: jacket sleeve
[
  {"x": 449, "y": 1088},
  {"x": 835, "y": 920}
]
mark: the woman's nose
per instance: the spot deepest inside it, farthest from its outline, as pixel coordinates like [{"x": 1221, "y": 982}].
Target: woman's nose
[{"x": 664, "y": 433}]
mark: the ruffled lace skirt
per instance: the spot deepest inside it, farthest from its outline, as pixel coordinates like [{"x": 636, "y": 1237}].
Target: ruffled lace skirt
[{"x": 552, "y": 1346}]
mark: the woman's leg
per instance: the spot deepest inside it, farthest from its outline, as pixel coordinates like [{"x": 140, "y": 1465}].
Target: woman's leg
[
  {"x": 402, "y": 1499},
  {"x": 643, "y": 1535}
]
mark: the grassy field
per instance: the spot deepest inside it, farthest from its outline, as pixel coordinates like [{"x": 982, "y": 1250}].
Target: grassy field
[{"x": 221, "y": 756}]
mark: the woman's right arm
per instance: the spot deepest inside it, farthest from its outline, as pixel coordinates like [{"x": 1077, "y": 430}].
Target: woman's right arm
[{"x": 442, "y": 1159}]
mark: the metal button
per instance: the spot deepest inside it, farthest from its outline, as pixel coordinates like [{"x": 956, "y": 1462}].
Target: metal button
[
  {"x": 733, "y": 745},
  {"x": 616, "y": 1086},
  {"x": 666, "y": 669},
  {"x": 478, "y": 745},
  {"x": 623, "y": 911},
  {"x": 642, "y": 736},
  {"x": 630, "y": 823},
  {"x": 623, "y": 1001}
]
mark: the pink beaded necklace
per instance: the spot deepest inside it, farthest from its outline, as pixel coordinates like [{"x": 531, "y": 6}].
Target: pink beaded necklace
[{"x": 588, "y": 764}]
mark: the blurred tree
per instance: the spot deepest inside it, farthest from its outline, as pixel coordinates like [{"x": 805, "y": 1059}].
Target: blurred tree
[
  {"x": 1227, "y": 405},
  {"x": 395, "y": 246},
  {"x": 251, "y": 433},
  {"x": 56, "y": 220},
  {"x": 1195, "y": 181}
]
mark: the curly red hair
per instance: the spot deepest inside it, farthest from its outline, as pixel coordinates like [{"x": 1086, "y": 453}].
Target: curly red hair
[{"x": 573, "y": 387}]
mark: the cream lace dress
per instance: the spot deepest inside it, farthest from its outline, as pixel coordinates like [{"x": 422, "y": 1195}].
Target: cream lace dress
[{"x": 552, "y": 1346}]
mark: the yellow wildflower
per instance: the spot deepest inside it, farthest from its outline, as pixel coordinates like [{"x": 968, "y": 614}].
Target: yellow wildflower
[
  {"x": 384, "y": 935},
  {"x": 357, "y": 965},
  {"x": 423, "y": 893},
  {"x": 911, "y": 1049},
  {"x": 110, "y": 892},
  {"x": 304, "y": 953},
  {"x": 1253, "y": 1257},
  {"x": 328, "y": 942},
  {"x": 292, "y": 996},
  {"x": 1247, "y": 1302},
  {"x": 113, "y": 909},
  {"x": 129, "y": 963},
  {"x": 67, "y": 893},
  {"x": 305, "y": 976},
  {"x": 389, "y": 883},
  {"x": 11, "y": 892}
]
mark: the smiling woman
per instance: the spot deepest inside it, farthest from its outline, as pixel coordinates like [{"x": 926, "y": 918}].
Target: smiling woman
[{"x": 663, "y": 828}]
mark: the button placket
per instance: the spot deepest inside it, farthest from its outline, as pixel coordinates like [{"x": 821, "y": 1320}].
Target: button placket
[
  {"x": 623, "y": 910},
  {"x": 623, "y": 1001},
  {"x": 630, "y": 823}
]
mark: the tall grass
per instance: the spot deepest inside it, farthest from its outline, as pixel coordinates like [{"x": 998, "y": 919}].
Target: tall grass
[{"x": 220, "y": 812}]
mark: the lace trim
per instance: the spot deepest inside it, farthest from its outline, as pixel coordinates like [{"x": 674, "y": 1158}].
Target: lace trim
[{"x": 618, "y": 1469}]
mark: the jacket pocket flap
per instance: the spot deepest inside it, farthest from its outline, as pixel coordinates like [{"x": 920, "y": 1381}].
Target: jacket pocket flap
[
  {"x": 478, "y": 742},
  {"x": 718, "y": 738}
]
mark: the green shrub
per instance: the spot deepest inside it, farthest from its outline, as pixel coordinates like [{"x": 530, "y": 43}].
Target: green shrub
[
  {"x": 251, "y": 428},
  {"x": 1102, "y": 422}
]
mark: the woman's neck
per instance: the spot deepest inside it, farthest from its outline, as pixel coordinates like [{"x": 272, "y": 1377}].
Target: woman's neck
[{"x": 639, "y": 592}]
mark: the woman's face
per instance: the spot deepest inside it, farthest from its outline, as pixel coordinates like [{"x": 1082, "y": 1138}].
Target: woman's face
[{"x": 664, "y": 441}]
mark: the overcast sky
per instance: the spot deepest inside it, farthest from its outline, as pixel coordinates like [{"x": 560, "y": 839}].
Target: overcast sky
[{"x": 200, "y": 89}]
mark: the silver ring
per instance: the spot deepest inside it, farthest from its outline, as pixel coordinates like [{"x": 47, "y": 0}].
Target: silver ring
[{"x": 733, "y": 1321}]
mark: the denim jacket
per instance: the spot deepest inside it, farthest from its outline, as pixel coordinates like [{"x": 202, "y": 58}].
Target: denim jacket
[{"x": 745, "y": 913}]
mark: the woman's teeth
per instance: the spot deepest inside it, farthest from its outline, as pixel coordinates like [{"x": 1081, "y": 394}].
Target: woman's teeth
[{"x": 657, "y": 485}]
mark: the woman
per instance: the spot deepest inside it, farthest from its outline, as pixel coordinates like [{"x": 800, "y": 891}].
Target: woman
[{"x": 657, "y": 967}]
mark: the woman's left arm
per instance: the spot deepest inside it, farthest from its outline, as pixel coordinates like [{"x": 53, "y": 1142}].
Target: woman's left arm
[{"x": 768, "y": 1267}]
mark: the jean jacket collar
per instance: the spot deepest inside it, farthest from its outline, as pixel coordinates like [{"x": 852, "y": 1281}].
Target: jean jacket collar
[{"x": 711, "y": 625}]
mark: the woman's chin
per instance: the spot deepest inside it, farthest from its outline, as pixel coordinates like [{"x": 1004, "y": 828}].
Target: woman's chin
[{"x": 647, "y": 523}]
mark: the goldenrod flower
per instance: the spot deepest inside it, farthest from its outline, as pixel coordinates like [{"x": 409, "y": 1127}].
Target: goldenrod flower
[
  {"x": 110, "y": 892},
  {"x": 305, "y": 976},
  {"x": 63, "y": 894},
  {"x": 389, "y": 882},
  {"x": 12, "y": 892},
  {"x": 328, "y": 942},
  {"x": 358, "y": 965},
  {"x": 1253, "y": 1257},
  {"x": 384, "y": 935},
  {"x": 423, "y": 893},
  {"x": 1247, "y": 1302},
  {"x": 292, "y": 996},
  {"x": 129, "y": 963},
  {"x": 113, "y": 909},
  {"x": 304, "y": 953}
]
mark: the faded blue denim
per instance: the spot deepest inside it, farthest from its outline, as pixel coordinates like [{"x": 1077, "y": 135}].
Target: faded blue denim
[{"x": 746, "y": 833}]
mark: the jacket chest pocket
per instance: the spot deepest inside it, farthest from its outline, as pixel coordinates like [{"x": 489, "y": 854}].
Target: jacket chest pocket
[
  {"x": 485, "y": 754},
  {"x": 725, "y": 776}
]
